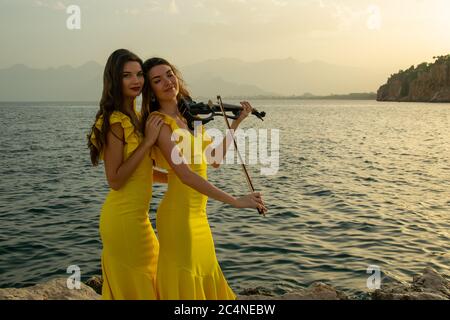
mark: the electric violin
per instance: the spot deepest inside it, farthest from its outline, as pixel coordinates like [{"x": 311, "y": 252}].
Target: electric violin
[{"x": 205, "y": 112}]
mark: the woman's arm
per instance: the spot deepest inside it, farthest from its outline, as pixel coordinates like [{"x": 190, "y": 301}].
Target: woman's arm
[
  {"x": 118, "y": 171},
  {"x": 212, "y": 159},
  {"x": 193, "y": 180},
  {"x": 225, "y": 144}
]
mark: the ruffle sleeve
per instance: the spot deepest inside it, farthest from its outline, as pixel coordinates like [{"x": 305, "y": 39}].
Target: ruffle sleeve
[
  {"x": 156, "y": 154},
  {"x": 130, "y": 134}
]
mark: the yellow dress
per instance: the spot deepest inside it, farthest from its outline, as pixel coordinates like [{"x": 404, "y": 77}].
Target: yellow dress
[
  {"x": 187, "y": 265},
  {"x": 130, "y": 247}
]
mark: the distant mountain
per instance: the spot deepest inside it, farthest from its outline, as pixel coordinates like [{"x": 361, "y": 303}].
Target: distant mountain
[
  {"x": 227, "y": 77},
  {"x": 428, "y": 82},
  {"x": 350, "y": 96},
  {"x": 65, "y": 83},
  {"x": 84, "y": 83},
  {"x": 209, "y": 86},
  {"x": 287, "y": 76}
]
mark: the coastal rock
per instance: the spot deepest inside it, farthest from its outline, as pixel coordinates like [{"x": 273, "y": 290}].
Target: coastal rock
[
  {"x": 316, "y": 291},
  {"x": 424, "y": 83},
  {"x": 258, "y": 291},
  {"x": 55, "y": 289},
  {"x": 430, "y": 285},
  {"x": 95, "y": 283}
]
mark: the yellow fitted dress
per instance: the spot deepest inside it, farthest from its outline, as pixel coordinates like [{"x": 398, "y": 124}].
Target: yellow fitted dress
[
  {"x": 187, "y": 265},
  {"x": 130, "y": 247}
]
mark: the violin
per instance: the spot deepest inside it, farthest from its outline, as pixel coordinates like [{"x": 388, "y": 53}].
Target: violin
[{"x": 205, "y": 112}]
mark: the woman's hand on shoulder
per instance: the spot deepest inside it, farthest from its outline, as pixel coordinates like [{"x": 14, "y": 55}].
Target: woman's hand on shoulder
[{"x": 152, "y": 129}]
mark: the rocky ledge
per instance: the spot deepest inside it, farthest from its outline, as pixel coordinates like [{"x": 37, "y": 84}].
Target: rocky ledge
[
  {"x": 428, "y": 82},
  {"x": 429, "y": 285},
  {"x": 55, "y": 289}
]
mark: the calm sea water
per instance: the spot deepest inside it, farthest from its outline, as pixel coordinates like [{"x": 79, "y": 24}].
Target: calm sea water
[{"x": 360, "y": 183}]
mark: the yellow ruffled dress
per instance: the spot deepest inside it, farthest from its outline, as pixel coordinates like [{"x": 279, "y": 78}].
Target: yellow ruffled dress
[
  {"x": 187, "y": 265},
  {"x": 130, "y": 247}
]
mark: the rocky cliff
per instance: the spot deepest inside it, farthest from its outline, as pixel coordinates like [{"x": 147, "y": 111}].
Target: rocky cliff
[{"x": 428, "y": 82}]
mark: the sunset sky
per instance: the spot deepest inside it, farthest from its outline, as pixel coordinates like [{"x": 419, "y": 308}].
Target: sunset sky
[{"x": 383, "y": 35}]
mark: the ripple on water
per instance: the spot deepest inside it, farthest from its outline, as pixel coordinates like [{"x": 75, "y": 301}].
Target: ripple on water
[{"x": 354, "y": 188}]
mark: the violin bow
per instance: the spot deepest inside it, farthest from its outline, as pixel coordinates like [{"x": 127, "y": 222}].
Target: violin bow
[{"x": 244, "y": 168}]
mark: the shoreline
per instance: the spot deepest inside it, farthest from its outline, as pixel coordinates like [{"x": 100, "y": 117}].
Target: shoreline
[{"x": 428, "y": 285}]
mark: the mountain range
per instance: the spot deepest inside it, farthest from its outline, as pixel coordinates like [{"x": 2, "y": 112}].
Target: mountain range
[{"x": 227, "y": 77}]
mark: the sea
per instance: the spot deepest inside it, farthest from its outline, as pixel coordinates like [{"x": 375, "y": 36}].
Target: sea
[{"x": 357, "y": 189}]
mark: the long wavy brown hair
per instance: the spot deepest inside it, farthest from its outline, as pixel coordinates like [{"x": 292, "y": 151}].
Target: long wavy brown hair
[
  {"x": 149, "y": 101},
  {"x": 112, "y": 99}
]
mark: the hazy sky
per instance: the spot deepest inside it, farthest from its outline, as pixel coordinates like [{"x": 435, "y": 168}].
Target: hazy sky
[{"x": 378, "y": 34}]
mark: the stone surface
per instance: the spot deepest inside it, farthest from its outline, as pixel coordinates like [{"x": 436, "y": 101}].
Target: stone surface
[
  {"x": 55, "y": 289},
  {"x": 430, "y": 285},
  {"x": 316, "y": 291},
  {"x": 95, "y": 283}
]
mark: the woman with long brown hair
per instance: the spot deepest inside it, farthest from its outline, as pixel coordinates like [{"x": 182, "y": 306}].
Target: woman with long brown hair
[
  {"x": 123, "y": 140},
  {"x": 187, "y": 264}
]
